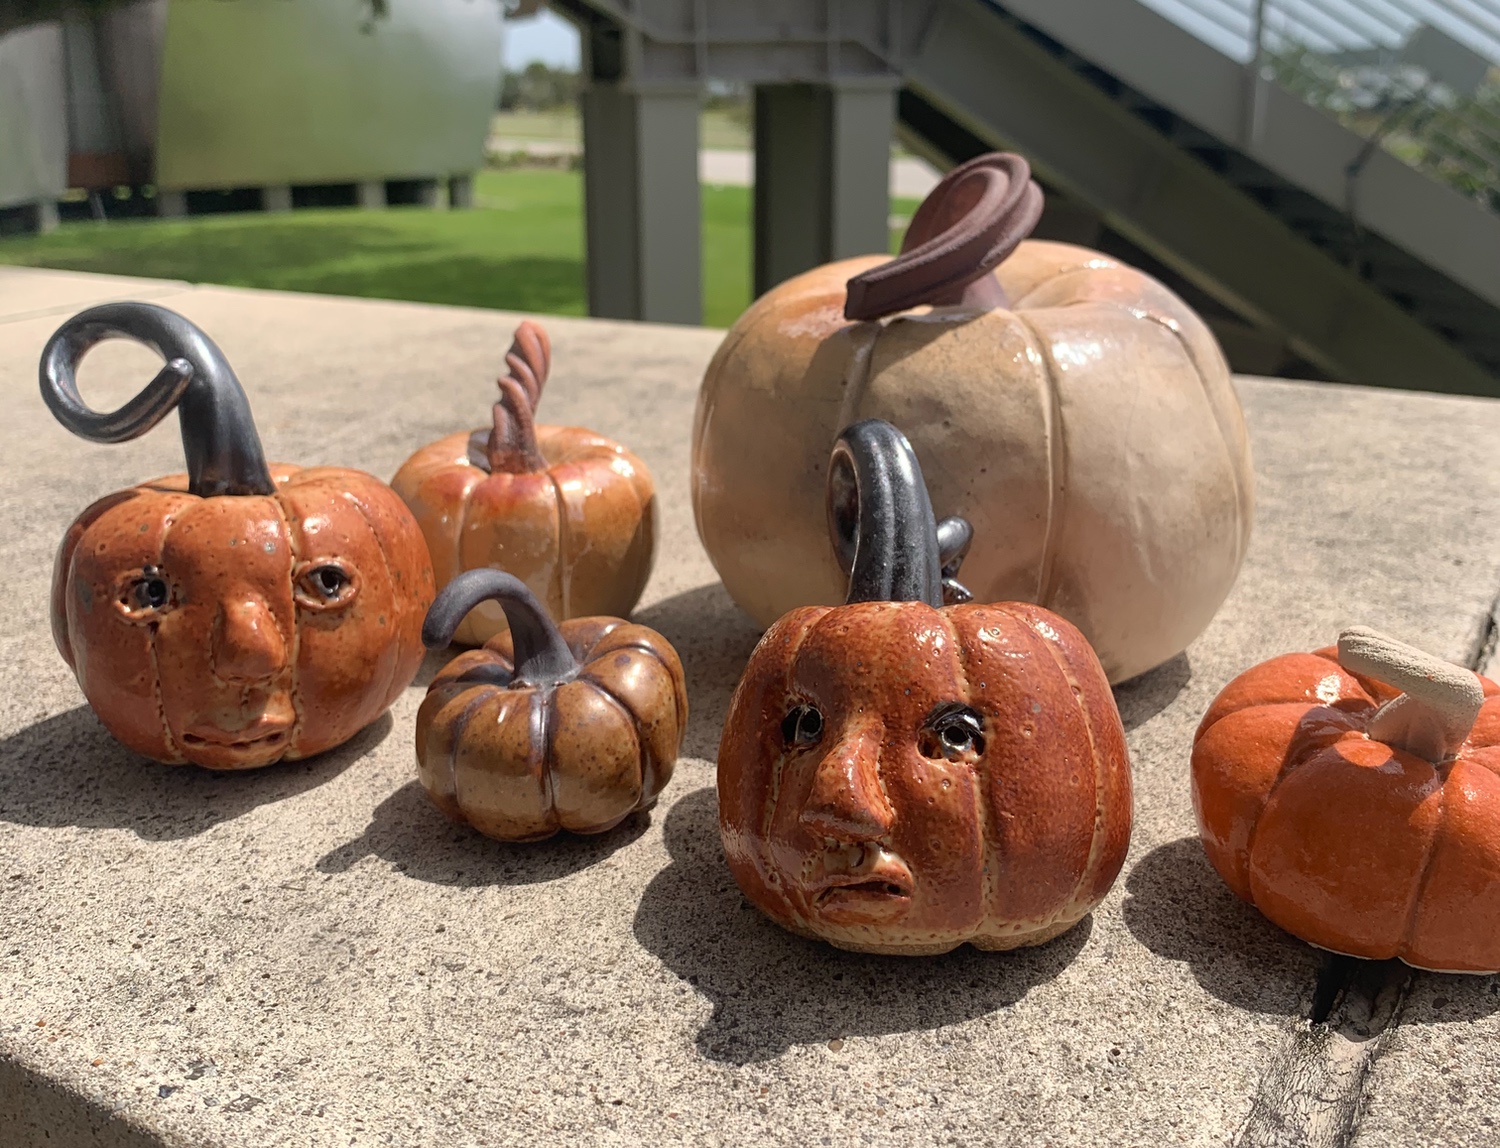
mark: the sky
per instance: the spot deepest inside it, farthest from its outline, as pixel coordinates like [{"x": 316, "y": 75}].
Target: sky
[{"x": 546, "y": 37}]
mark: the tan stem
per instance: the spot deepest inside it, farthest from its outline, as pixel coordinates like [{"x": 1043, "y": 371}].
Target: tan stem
[
  {"x": 1439, "y": 702},
  {"x": 511, "y": 447}
]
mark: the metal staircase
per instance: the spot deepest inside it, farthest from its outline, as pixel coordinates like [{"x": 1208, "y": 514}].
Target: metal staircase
[
  {"x": 1370, "y": 131},
  {"x": 1320, "y": 177}
]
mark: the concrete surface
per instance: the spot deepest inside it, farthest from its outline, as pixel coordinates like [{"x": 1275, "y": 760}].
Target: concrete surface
[{"x": 310, "y": 955}]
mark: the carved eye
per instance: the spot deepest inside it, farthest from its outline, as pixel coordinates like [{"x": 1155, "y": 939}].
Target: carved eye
[
  {"x": 324, "y": 585},
  {"x": 803, "y": 725},
  {"x": 145, "y": 594},
  {"x": 954, "y": 732}
]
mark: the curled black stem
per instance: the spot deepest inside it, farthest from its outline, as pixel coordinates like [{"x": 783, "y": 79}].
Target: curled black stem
[
  {"x": 223, "y": 451},
  {"x": 880, "y": 517},
  {"x": 542, "y": 658}
]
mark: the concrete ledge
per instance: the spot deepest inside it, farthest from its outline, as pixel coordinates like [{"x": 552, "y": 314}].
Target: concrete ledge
[{"x": 310, "y": 955}]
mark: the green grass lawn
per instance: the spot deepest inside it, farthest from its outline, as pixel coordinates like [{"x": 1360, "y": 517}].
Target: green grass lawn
[{"x": 520, "y": 248}]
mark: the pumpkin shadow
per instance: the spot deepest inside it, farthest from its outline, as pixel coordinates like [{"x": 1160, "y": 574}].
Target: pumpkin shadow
[
  {"x": 1144, "y": 696},
  {"x": 1180, "y": 909},
  {"x": 410, "y": 833},
  {"x": 68, "y": 771},
  {"x": 772, "y": 990},
  {"x": 714, "y": 638}
]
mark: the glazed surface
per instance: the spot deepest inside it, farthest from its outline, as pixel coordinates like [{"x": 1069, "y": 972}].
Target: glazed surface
[
  {"x": 519, "y": 762},
  {"x": 581, "y": 533},
  {"x": 1090, "y": 433},
  {"x": 1341, "y": 839},
  {"x": 247, "y": 658},
  {"x": 874, "y": 836}
]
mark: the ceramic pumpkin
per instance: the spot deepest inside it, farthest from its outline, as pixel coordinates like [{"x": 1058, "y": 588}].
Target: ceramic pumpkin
[
  {"x": 1352, "y": 795},
  {"x": 241, "y": 613},
  {"x": 900, "y": 776},
  {"x": 1073, "y": 409},
  {"x": 546, "y": 727},
  {"x": 569, "y": 512}
]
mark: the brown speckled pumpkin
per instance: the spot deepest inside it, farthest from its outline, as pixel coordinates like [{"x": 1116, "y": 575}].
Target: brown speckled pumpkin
[
  {"x": 241, "y": 613},
  {"x": 546, "y": 727},
  {"x": 900, "y": 776}
]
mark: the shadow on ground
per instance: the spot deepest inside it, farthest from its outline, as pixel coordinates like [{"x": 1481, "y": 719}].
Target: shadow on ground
[
  {"x": 771, "y": 990},
  {"x": 409, "y": 832},
  {"x": 67, "y": 770},
  {"x": 1180, "y": 909},
  {"x": 1146, "y": 695},
  {"x": 714, "y": 639}
]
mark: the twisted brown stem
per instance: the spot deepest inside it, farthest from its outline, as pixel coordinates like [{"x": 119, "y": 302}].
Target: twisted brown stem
[
  {"x": 966, "y": 227},
  {"x": 512, "y": 447}
]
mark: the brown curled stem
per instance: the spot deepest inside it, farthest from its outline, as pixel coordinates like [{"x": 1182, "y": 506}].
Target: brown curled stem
[
  {"x": 512, "y": 447},
  {"x": 965, "y": 228}
]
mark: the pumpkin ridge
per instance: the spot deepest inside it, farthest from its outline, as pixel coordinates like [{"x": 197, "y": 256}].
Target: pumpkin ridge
[
  {"x": 173, "y": 749},
  {"x": 295, "y": 651},
  {"x": 541, "y": 724},
  {"x": 1242, "y": 529},
  {"x": 564, "y": 548},
  {"x": 482, "y": 694},
  {"x": 773, "y": 797},
  {"x": 1408, "y": 932},
  {"x": 1057, "y": 468},
  {"x": 1096, "y": 840},
  {"x": 391, "y": 580},
  {"x": 642, "y": 747}
]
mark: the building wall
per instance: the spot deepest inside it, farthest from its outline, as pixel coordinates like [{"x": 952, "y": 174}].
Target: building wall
[
  {"x": 261, "y": 92},
  {"x": 33, "y": 116}
]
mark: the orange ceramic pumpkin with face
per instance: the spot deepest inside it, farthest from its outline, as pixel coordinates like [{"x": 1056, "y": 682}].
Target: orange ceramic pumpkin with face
[
  {"x": 897, "y": 776},
  {"x": 242, "y": 613},
  {"x": 569, "y": 512},
  {"x": 1359, "y": 817},
  {"x": 546, "y": 727}
]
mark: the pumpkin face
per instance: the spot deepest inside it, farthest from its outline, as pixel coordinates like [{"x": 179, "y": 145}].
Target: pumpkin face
[
  {"x": 1353, "y": 815},
  {"x": 964, "y": 779},
  {"x": 238, "y": 629},
  {"x": 520, "y": 746},
  {"x": 1073, "y": 410},
  {"x": 899, "y": 777},
  {"x": 569, "y": 512}
]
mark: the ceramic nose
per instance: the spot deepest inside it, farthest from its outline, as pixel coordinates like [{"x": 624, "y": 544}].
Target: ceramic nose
[
  {"x": 847, "y": 802},
  {"x": 248, "y": 645}
]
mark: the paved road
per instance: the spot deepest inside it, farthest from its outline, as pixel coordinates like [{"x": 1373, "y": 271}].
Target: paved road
[{"x": 911, "y": 178}]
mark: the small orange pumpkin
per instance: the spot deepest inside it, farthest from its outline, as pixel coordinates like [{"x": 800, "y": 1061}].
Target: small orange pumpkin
[
  {"x": 240, "y": 613},
  {"x": 900, "y": 776},
  {"x": 1361, "y": 818},
  {"x": 546, "y": 727},
  {"x": 569, "y": 512}
]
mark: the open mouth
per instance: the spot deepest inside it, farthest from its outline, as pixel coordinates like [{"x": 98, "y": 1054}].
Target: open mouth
[
  {"x": 266, "y": 733},
  {"x": 870, "y": 887}
]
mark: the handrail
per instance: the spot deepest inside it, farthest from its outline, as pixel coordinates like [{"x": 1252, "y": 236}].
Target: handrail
[{"x": 1346, "y": 58}]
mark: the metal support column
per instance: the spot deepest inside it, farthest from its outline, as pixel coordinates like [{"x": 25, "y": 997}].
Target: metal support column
[
  {"x": 641, "y": 207},
  {"x": 822, "y": 175}
]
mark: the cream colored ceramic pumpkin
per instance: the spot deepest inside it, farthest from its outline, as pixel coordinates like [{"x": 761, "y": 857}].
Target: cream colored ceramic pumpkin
[{"x": 1074, "y": 410}]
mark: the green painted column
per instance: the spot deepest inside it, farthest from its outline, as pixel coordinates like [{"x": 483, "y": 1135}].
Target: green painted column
[
  {"x": 822, "y": 174},
  {"x": 642, "y": 218}
]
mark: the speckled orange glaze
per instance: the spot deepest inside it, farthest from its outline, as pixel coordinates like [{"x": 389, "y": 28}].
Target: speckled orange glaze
[
  {"x": 519, "y": 762},
  {"x": 1343, "y": 840},
  {"x": 876, "y": 838},
  {"x": 249, "y": 659},
  {"x": 573, "y": 515}
]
